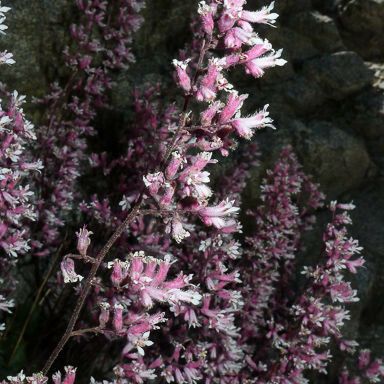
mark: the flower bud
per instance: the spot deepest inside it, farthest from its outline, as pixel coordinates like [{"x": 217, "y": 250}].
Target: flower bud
[
  {"x": 104, "y": 314},
  {"x": 182, "y": 75},
  {"x": 118, "y": 317}
]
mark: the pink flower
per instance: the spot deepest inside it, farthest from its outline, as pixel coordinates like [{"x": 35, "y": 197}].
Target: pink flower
[
  {"x": 173, "y": 165},
  {"x": 214, "y": 215},
  {"x": 118, "y": 317},
  {"x": 70, "y": 375},
  {"x": 69, "y": 378},
  {"x": 139, "y": 342},
  {"x": 182, "y": 75},
  {"x": 178, "y": 231},
  {"x": 343, "y": 293},
  {"x": 104, "y": 314},
  {"x": 208, "y": 115},
  {"x": 206, "y": 13},
  {"x": 227, "y": 20},
  {"x": 148, "y": 279},
  {"x": 236, "y": 37},
  {"x": 207, "y": 88},
  {"x": 154, "y": 181},
  {"x": 257, "y": 66},
  {"x": 68, "y": 271},
  {"x": 167, "y": 197},
  {"x": 234, "y": 103},
  {"x": 83, "y": 240},
  {"x": 260, "y": 48},
  {"x": 119, "y": 271},
  {"x": 245, "y": 126},
  {"x": 264, "y": 16}
]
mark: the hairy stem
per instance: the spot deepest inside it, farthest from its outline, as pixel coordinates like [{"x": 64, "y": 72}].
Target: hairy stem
[
  {"x": 80, "y": 332},
  {"x": 88, "y": 283}
]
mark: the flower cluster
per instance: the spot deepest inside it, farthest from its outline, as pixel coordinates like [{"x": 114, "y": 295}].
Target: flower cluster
[
  {"x": 101, "y": 45},
  {"x": 39, "y": 378},
  {"x": 369, "y": 369},
  {"x": 214, "y": 302},
  {"x": 16, "y": 167},
  {"x": 183, "y": 183},
  {"x": 320, "y": 312}
]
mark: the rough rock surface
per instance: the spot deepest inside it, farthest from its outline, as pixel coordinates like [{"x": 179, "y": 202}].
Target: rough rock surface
[
  {"x": 328, "y": 102},
  {"x": 362, "y": 26}
]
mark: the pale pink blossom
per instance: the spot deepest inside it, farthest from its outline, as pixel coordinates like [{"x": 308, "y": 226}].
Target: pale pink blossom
[
  {"x": 207, "y": 88},
  {"x": 83, "y": 240},
  {"x": 264, "y": 16},
  {"x": 256, "y": 67},
  {"x": 174, "y": 165},
  {"x": 104, "y": 314},
  {"x": 215, "y": 215},
  {"x": 139, "y": 342},
  {"x": 233, "y": 105},
  {"x": 178, "y": 231},
  {"x": 68, "y": 271},
  {"x": 118, "y": 317},
  {"x": 206, "y": 13},
  {"x": 246, "y": 126},
  {"x": 182, "y": 75}
]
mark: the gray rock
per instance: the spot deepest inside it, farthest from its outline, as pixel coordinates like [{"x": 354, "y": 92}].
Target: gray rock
[
  {"x": 369, "y": 120},
  {"x": 296, "y": 46},
  {"x": 362, "y": 22},
  {"x": 320, "y": 29},
  {"x": 327, "y": 6},
  {"x": 338, "y": 161},
  {"x": 37, "y": 32},
  {"x": 368, "y": 218},
  {"x": 303, "y": 95},
  {"x": 340, "y": 74}
]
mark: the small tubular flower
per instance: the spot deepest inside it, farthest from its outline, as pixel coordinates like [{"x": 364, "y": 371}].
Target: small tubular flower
[
  {"x": 264, "y": 16},
  {"x": 68, "y": 271},
  {"x": 182, "y": 75},
  {"x": 173, "y": 165},
  {"x": 83, "y": 240},
  {"x": 234, "y": 104},
  {"x": 246, "y": 126},
  {"x": 236, "y": 37},
  {"x": 118, "y": 317},
  {"x": 148, "y": 279},
  {"x": 207, "y": 88},
  {"x": 206, "y": 13},
  {"x": 257, "y": 66},
  {"x": 215, "y": 215},
  {"x": 154, "y": 181},
  {"x": 104, "y": 314},
  {"x": 178, "y": 231}
]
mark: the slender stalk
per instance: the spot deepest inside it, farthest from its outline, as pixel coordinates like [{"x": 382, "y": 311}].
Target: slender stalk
[
  {"x": 80, "y": 332},
  {"x": 88, "y": 284},
  {"x": 122, "y": 227}
]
